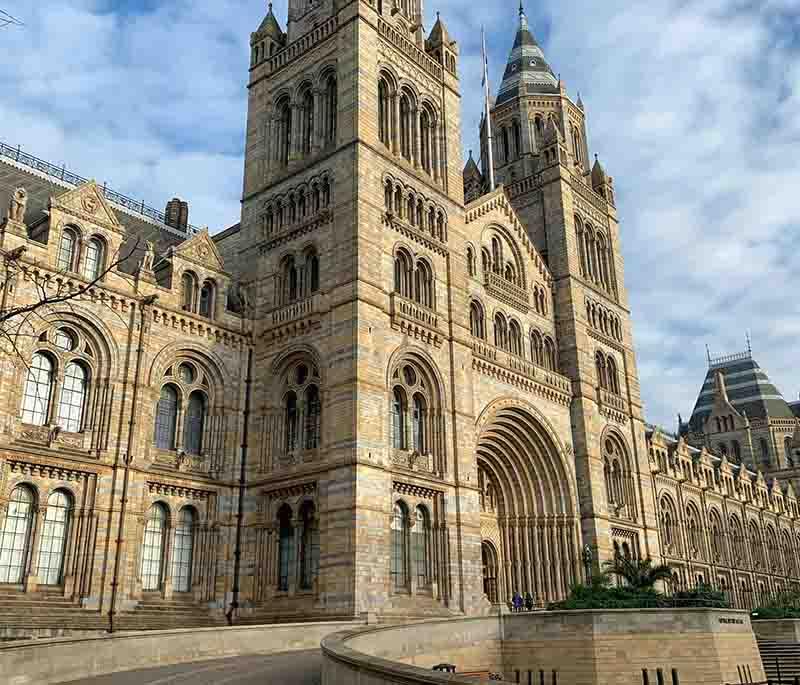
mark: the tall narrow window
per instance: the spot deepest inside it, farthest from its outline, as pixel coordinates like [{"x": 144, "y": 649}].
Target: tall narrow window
[
  {"x": 517, "y": 139},
  {"x": 331, "y": 106},
  {"x": 166, "y": 418},
  {"x": 421, "y": 547},
  {"x": 38, "y": 388},
  {"x": 312, "y": 272},
  {"x": 290, "y": 421},
  {"x": 424, "y": 285},
  {"x": 309, "y": 547},
  {"x": 93, "y": 259},
  {"x": 153, "y": 548},
  {"x": 489, "y": 559},
  {"x": 73, "y": 398},
  {"x": 399, "y": 566},
  {"x": 188, "y": 287},
  {"x": 500, "y": 332},
  {"x": 284, "y": 138},
  {"x": 537, "y": 348},
  {"x": 308, "y": 122},
  {"x": 398, "y": 420},
  {"x": 15, "y": 536},
  {"x": 183, "y": 551},
  {"x": 194, "y": 423},
  {"x": 67, "y": 250},
  {"x": 384, "y": 112},
  {"x": 420, "y": 420},
  {"x": 476, "y": 323},
  {"x": 405, "y": 126},
  {"x": 50, "y": 567},
  {"x": 312, "y": 417},
  {"x": 426, "y": 136},
  {"x": 515, "y": 339},
  {"x": 285, "y": 547},
  {"x": 206, "y": 299}
]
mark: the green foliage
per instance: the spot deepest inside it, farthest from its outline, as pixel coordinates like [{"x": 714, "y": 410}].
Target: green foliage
[
  {"x": 640, "y": 574},
  {"x": 636, "y": 590},
  {"x": 701, "y": 596},
  {"x": 782, "y": 605}
]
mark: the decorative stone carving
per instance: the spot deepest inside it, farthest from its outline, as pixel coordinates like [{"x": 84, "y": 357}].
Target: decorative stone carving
[
  {"x": 148, "y": 258},
  {"x": 17, "y": 205}
]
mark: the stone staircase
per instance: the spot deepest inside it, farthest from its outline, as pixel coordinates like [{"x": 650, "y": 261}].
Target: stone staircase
[
  {"x": 46, "y": 614},
  {"x": 780, "y": 657},
  {"x": 154, "y": 613}
]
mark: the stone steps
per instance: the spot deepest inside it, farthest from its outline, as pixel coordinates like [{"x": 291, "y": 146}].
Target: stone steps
[{"x": 780, "y": 656}]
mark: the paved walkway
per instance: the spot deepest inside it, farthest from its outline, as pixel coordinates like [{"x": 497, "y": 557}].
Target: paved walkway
[{"x": 296, "y": 668}]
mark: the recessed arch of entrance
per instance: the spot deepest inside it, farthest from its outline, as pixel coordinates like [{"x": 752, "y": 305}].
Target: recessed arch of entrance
[{"x": 530, "y": 527}]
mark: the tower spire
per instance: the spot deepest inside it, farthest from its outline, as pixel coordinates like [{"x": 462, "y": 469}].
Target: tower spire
[{"x": 487, "y": 110}]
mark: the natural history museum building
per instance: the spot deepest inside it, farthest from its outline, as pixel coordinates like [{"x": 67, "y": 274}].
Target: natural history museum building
[{"x": 389, "y": 389}]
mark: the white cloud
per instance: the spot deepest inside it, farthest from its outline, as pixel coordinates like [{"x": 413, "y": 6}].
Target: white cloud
[{"x": 691, "y": 104}]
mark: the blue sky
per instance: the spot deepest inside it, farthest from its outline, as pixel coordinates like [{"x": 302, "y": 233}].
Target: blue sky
[{"x": 692, "y": 105}]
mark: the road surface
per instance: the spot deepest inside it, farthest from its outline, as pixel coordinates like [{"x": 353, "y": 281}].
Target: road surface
[{"x": 296, "y": 668}]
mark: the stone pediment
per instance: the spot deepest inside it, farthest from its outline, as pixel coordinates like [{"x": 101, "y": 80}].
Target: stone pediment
[
  {"x": 201, "y": 250},
  {"x": 87, "y": 203}
]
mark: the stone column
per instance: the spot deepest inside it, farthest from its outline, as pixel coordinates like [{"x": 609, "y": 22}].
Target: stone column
[
  {"x": 167, "y": 570},
  {"x": 294, "y": 568},
  {"x": 30, "y": 579}
]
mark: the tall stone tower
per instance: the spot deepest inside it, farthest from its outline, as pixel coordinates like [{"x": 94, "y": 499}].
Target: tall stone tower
[
  {"x": 568, "y": 208},
  {"x": 353, "y": 153}
]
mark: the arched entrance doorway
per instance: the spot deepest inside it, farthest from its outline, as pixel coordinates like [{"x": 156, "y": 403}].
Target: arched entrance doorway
[{"x": 529, "y": 513}]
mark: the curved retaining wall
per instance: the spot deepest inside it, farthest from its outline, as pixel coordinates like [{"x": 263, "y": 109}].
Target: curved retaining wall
[
  {"x": 40, "y": 662},
  {"x": 682, "y": 647}
]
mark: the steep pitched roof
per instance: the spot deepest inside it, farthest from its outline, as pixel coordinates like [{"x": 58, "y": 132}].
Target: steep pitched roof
[
  {"x": 527, "y": 70},
  {"x": 749, "y": 389},
  {"x": 270, "y": 26}
]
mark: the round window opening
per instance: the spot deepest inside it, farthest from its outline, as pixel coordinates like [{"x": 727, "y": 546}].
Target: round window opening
[
  {"x": 187, "y": 373},
  {"x": 65, "y": 340}
]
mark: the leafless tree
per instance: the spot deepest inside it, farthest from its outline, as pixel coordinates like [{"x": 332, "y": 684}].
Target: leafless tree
[
  {"x": 46, "y": 293},
  {"x": 8, "y": 20}
]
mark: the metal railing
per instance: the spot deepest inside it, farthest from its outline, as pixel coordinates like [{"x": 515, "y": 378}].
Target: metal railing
[{"x": 61, "y": 173}]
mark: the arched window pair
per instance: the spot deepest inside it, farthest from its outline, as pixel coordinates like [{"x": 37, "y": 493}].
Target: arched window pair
[
  {"x": 414, "y": 281},
  {"x": 410, "y": 392},
  {"x": 477, "y": 322},
  {"x": 543, "y": 351},
  {"x": 89, "y": 261},
  {"x": 17, "y": 533},
  {"x": 153, "y": 555},
  {"x": 410, "y": 548},
  {"x": 302, "y": 409},
  {"x": 595, "y": 255},
  {"x": 716, "y": 538},
  {"x": 198, "y": 302},
  {"x": 308, "y": 552},
  {"x": 668, "y": 523},
  {"x": 607, "y": 375},
  {"x": 43, "y": 381},
  {"x": 508, "y": 335},
  {"x": 694, "y": 533},
  {"x": 299, "y": 280},
  {"x": 540, "y": 300},
  {"x": 184, "y": 396}
]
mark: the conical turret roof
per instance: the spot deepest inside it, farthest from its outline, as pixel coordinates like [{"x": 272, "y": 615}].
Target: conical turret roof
[
  {"x": 527, "y": 71},
  {"x": 748, "y": 388},
  {"x": 270, "y": 26}
]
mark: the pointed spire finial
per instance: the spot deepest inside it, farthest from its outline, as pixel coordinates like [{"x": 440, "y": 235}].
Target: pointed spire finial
[{"x": 523, "y": 20}]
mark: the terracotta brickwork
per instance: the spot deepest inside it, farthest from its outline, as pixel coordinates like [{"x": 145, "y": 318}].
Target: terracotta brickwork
[{"x": 367, "y": 396}]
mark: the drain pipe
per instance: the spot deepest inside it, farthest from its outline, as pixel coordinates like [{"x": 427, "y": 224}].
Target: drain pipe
[
  {"x": 237, "y": 557},
  {"x": 128, "y": 458}
]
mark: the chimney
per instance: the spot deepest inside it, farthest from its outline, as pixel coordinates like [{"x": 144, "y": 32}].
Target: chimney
[{"x": 177, "y": 214}]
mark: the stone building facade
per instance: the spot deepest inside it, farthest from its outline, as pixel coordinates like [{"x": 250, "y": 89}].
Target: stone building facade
[{"x": 373, "y": 394}]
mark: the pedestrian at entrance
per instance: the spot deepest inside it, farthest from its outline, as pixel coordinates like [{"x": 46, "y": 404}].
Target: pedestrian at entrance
[
  {"x": 516, "y": 602},
  {"x": 528, "y": 601}
]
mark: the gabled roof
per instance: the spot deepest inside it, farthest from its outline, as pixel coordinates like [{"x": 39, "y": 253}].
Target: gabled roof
[
  {"x": 471, "y": 170},
  {"x": 527, "y": 71},
  {"x": 749, "y": 390}
]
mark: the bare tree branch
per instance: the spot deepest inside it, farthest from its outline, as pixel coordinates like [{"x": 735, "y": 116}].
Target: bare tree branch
[{"x": 7, "y": 20}]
